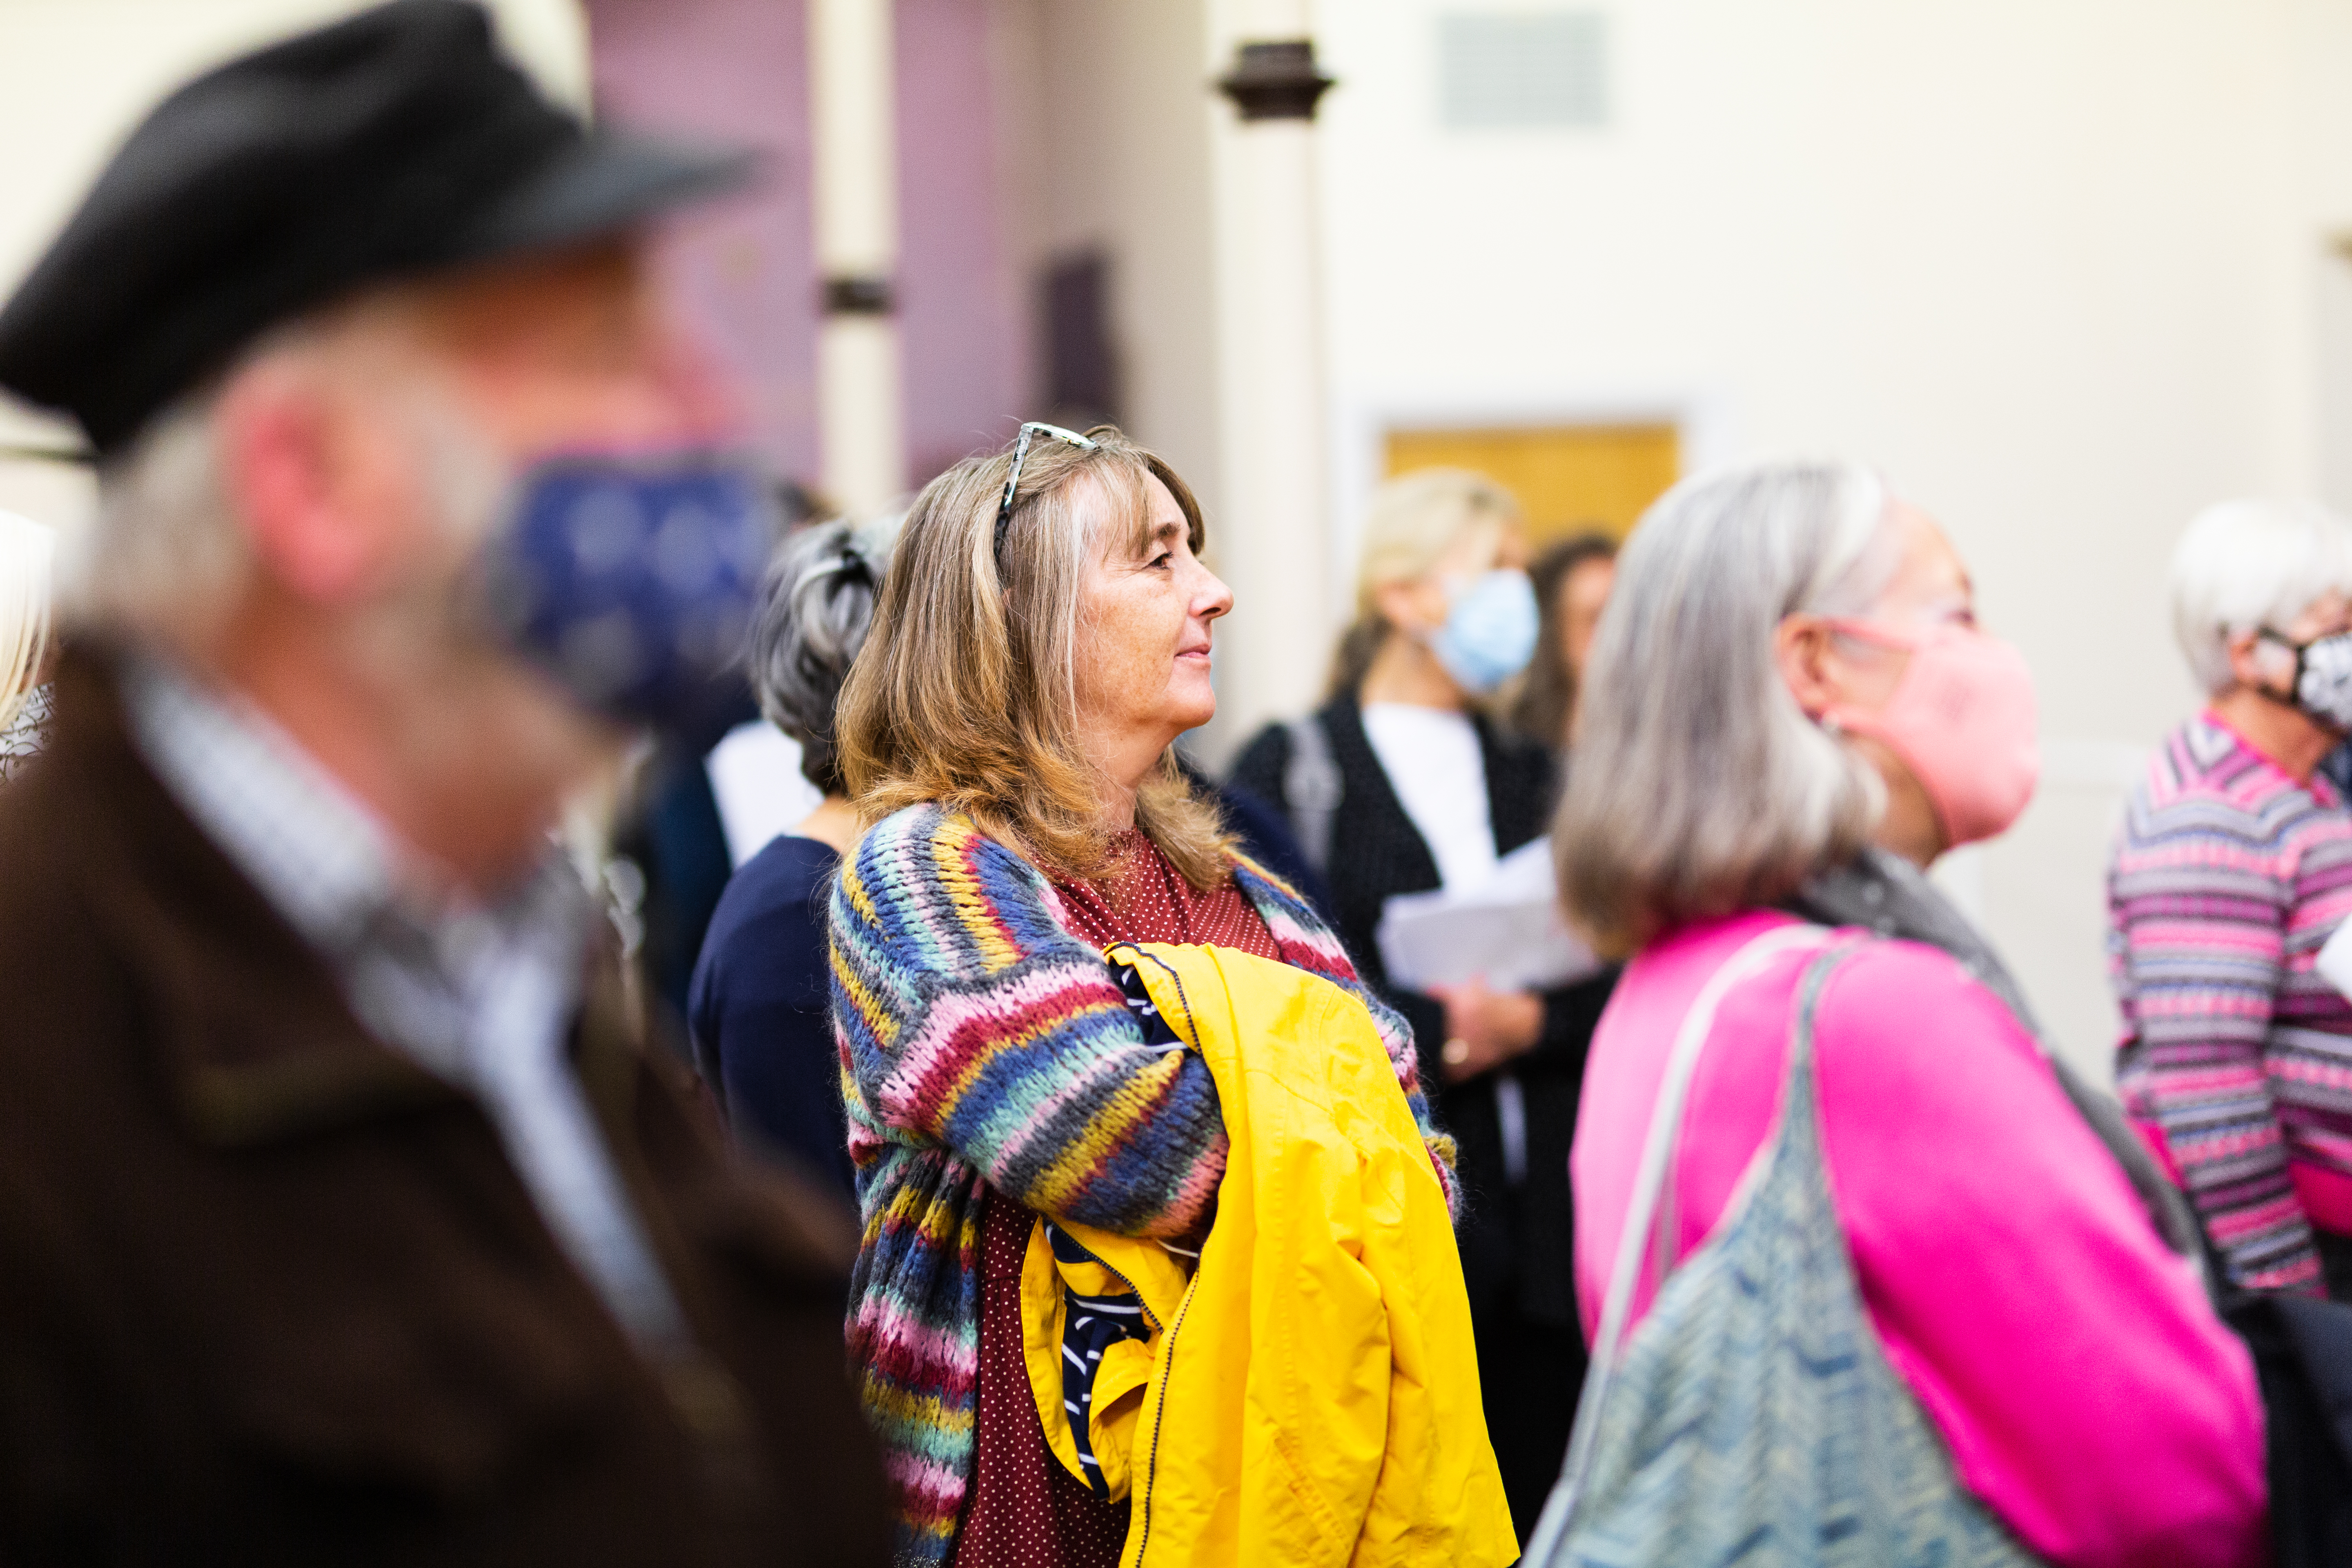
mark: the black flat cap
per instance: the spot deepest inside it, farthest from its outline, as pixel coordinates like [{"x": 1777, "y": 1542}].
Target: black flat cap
[{"x": 395, "y": 143}]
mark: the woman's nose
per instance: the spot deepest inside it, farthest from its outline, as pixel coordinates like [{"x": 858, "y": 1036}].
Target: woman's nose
[{"x": 1215, "y": 598}]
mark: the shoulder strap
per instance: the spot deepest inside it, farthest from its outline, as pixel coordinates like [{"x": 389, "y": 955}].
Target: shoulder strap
[
  {"x": 1311, "y": 788},
  {"x": 1658, "y": 1149}
]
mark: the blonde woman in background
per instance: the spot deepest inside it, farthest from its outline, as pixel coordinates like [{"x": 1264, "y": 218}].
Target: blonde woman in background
[
  {"x": 28, "y": 550},
  {"x": 1403, "y": 782}
]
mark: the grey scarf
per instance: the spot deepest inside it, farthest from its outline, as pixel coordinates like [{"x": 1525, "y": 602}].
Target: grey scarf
[{"x": 1886, "y": 893}]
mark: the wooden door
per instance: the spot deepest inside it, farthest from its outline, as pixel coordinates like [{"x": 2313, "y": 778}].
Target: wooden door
[{"x": 1569, "y": 478}]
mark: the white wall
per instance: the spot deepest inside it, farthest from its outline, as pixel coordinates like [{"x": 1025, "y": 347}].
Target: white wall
[
  {"x": 1104, "y": 131},
  {"x": 1115, "y": 137},
  {"x": 76, "y": 75},
  {"x": 2056, "y": 268}
]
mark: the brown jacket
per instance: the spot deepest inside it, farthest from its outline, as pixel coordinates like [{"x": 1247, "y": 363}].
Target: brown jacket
[{"x": 271, "y": 1293}]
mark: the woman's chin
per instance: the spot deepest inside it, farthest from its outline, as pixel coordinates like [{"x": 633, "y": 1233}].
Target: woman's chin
[
  {"x": 1193, "y": 715},
  {"x": 1191, "y": 699}
]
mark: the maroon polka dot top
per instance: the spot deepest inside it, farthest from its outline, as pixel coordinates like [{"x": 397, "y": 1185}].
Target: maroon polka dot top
[{"x": 1025, "y": 1510}]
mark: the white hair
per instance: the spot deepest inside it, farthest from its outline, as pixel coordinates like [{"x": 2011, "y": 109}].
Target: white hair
[
  {"x": 27, "y": 550},
  {"x": 166, "y": 551},
  {"x": 2244, "y": 565},
  {"x": 1697, "y": 785},
  {"x": 169, "y": 553},
  {"x": 816, "y": 604}
]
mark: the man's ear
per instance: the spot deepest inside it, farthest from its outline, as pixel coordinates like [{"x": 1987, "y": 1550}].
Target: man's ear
[
  {"x": 1800, "y": 645},
  {"x": 286, "y": 478}
]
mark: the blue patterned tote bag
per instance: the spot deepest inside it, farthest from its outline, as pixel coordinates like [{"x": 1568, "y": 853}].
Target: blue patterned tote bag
[{"x": 1753, "y": 1419}]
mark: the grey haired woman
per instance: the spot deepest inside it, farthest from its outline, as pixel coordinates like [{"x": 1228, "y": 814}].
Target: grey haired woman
[
  {"x": 1791, "y": 710},
  {"x": 757, "y": 1009}
]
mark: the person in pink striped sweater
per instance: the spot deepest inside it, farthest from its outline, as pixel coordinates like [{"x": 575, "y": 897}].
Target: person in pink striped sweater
[
  {"x": 1789, "y": 712},
  {"x": 2232, "y": 868}
]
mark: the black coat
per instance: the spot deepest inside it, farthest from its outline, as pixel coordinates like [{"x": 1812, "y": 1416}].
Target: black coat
[
  {"x": 1517, "y": 1247},
  {"x": 271, "y": 1292},
  {"x": 761, "y": 1010}
]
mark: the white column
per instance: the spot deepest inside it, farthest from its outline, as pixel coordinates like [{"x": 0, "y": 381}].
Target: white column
[
  {"x": 861, "y": 411},
  {"x": 1273, "y": 543}
]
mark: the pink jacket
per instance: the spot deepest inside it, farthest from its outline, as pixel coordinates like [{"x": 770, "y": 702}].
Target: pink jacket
[{"x": 2088, "y": 1392}]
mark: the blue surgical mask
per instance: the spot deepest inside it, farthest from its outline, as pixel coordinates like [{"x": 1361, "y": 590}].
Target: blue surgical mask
[
  {"x": 631, "y": 580},
  {"x": 1490, "y": 630}
]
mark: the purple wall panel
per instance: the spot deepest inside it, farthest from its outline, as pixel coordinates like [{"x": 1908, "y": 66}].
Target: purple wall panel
[
  {"x": 735, "y": 71},
  {"x": 962, "y": 304}
]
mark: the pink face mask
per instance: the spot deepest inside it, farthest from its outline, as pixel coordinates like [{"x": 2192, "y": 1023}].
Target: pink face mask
[{"x": 1962, "y": 719}]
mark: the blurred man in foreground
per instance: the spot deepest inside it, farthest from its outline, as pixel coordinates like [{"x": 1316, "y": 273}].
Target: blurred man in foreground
[{"x": 341, "y": 1216}]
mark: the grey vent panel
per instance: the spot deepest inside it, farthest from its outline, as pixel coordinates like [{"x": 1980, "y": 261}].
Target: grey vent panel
[{"x": 1517, "y": 70}]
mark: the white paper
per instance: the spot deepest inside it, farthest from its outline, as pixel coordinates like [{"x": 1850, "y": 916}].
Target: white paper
[
  {"x": 2335, "y": 961},
  {"x": 1508, "y": 930}
]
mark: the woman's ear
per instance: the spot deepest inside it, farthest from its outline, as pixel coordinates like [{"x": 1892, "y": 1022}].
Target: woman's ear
[
  {"x": 1801, "y": 646},
  {"x": 2257, "y": 663},
  {"x": 1405, "y": 607}
]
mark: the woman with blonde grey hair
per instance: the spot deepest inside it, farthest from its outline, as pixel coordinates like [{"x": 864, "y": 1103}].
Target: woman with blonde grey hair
[
  {"x": 2232, "y": 870},
  {"x": 1403, "y": 782},
  {"x": 1032, "y": 944},
  {"x": 1832, "y": 1198},
  {"x": 28, "y": 550}
]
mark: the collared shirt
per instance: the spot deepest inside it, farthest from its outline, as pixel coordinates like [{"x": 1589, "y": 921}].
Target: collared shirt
[
  {"x": 481, "y": 995},
  {"x": 1436, "y": 765}
]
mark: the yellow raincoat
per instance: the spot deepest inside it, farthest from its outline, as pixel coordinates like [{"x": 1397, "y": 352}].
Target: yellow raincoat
[{"x": 1309, "y": 1396}]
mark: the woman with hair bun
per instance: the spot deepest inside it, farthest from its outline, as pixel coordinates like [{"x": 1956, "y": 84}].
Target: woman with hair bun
[{"x": 758, "y": 1011}]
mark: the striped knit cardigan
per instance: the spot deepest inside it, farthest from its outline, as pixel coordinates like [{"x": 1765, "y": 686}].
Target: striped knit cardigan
[
  {"x": 2226, "y": 878},
  {"x": 983, "y": 1045}
]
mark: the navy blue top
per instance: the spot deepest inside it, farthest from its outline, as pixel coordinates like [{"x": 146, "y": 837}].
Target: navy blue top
[{"x": 759, "y": 1009}]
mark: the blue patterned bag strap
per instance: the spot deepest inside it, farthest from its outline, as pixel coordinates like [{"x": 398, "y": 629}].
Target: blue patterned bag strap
[{"x": 1633, "y": 1241}]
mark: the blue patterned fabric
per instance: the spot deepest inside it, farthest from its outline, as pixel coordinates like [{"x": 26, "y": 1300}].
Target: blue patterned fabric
[
  {"x": 1091, "y": 1325},
  {"x": 1754, "y": 1418},
  {"x": 631, "y": 581}
]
